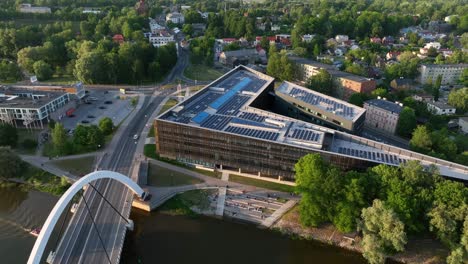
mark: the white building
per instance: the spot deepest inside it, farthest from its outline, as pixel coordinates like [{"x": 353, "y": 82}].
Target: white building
[
  {"x": 450, "y": 73},
  {"x": 161, "y": 39},
  {"x": 463, "y": 124},
  {"x": 440, "y": 108},
  {"x": 28, "y": 8},
  {"x": 155, "y": 27},
  {"x": 341, "y": 38},
  {"x": 435, "y": 45},
  {"x": 91, "y": 10},
  {"x": 308, "y": 37},
  {"x": 31, "y": 108},
  {"x": 275, "y": 27},
  {"x": 175, "y": 17}
]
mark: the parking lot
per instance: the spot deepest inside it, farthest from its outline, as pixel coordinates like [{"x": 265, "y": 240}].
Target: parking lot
[{"x": 99, "y": 104}]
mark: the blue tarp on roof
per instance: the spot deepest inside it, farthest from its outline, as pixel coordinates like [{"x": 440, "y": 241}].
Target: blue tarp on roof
[
  {"x": 200, "y": 117},
  {"x": 229, "y": 94}
]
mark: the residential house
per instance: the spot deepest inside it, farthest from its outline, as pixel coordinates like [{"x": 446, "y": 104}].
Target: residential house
[
  {"x": 388, "y": 40},
  {"x": 308, "y": 37},
  {"x": 440, "y": 108},
  {"x": 243, "y": 56},
  {"x": 118, "y": 38},
  {"x": 423, "y": 98},
  {"x": 463, "y": 124},
  {"x": 161, "y": 39},
  {"x": 175, "y": 17},
  {"x": 401, "y": 84},
  {"x": 376, "y": 40},
  {"x": 341, "y": 38}
]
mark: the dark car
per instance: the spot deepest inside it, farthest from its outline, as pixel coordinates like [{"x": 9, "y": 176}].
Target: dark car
[
  {"x": 85, "y": 121},
  {"x": 71, "y": 116},
  {"x": 88, "y": 102},
  {"x": 106, "y": 92},
  {"x": 91, "y": 116},
  {"x": 102, "y": 107},
  {"x": 108, "y": 102}
]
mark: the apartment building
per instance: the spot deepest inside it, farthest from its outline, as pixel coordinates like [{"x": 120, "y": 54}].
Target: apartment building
[
  {"x": 382, "y": 115},
  {"x": 450, "y": 73}
]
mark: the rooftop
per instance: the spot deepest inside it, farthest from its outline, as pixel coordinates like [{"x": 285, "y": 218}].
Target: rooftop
[
  {"x": 441, "y": 105},
  {"x": 225, "y": 106},
  {"x": 322, "y": 101},
  {"x": 386, "y": 105},
  {"x": 23, "y": 98}
]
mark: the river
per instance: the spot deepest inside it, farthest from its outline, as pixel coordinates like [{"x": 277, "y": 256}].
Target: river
[
  {"x": 21, "y": 209},
  {"x": 164, "y": 238}
]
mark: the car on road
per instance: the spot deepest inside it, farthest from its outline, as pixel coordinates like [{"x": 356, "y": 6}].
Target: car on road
[
  {"x": 135, "y": 137},
  {"x": 88, "y": 102},
  {"x": 108, "y": 102},
  {"x": 91, "y": 116},
  {"x": 85, "y": 121},
  {"x": 102, "y": 107},
  {"x": 70, "y": 116}
]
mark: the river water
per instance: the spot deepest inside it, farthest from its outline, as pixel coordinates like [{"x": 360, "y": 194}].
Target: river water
[
  {"x": 180, "y": 239},
  {"x": 21, "y": 209},
  {"x": 166, "y": 238}
]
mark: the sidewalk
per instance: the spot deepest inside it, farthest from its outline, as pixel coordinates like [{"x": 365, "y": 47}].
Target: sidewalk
[{"x": 42, "y": 163}]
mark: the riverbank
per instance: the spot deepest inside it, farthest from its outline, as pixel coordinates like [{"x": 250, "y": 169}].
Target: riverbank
[
  {"x": 39, "y": 180},
  {"x": 418, "y": 250}
]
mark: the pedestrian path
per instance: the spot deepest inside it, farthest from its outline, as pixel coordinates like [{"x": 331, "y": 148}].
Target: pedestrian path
[
  {"x": 225, "y": 176},
  {"x": 278, "y": 213},
  {"x": 221, "y": 200}
]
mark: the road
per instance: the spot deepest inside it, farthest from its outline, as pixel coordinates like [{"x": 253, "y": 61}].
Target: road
[{"x": 80, "y": 242}]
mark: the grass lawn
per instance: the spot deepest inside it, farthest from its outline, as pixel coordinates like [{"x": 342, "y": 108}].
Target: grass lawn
[
  {"x": 261, "y": 184},
  {"x": 181, "y": 203},
  {"x": 170, "y": 103},
  {"x": 162, "y": 177},
  {"x": 151, "y": 131},
  {"x": 45, "y": 181},
  {"x": 202, "y": 73},
  {"x": 61, "y": 80},
  {"x": 77, "y": 166}
]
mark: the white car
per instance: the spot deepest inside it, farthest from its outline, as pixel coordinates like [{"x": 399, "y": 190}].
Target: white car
[{"x": 135, "y": 137}]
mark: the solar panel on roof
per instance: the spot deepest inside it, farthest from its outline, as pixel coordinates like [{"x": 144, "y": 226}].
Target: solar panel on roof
[
  {"x": 229, "y": 94},
  {"x": 200, "y": 117}
]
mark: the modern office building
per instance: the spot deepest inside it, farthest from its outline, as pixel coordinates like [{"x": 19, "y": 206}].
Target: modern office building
[
  {"x": 32, "y": 108},
  {"x": 227, "y": 125},
  {"x": 450, "y": 73},
  {"x": 77, "y": 90},
  {"x": 345, "y": 84},
  {"x": 382, "y": 115},
  {"x": 311, "y": 106}
]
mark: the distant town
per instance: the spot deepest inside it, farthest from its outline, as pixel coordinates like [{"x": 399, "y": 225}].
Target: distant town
[{"x": 344, "y": 122}]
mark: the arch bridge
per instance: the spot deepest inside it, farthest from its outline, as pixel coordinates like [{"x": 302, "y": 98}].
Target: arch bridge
[{"x": 44, "y": 236}]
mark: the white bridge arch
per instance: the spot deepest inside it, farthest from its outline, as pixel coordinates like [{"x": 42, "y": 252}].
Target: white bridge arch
[{"x": 44, "y": 235}]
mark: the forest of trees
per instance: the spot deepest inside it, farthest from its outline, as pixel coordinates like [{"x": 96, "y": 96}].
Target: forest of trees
[
  {"x": 91, "y": 56},
  {"x": 386, "y": 203}
]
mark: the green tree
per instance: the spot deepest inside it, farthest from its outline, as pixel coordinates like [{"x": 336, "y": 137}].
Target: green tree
[
  {"x": 421, "y": 140},
  {"x": 448, "y": 212},
  {"x": 11, "y": 165},
  {"x": 106, "y": 125},
  {"x": 459, "y": 99},
  {"x": 8, "y": 135},
  {"x": 9, "y": 71},
  {"x": 42, "y": 70},
  {"x": 436, "y": 88},
  {"x": 406, "y": 122},
  {"x": 358, "y": 99},
  {"x": 382, "y": 232},
  {"x": 59, "y": 139},
  {"x": 322, "y": 82}
]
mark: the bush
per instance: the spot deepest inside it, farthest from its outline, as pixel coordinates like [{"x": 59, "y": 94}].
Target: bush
[{"x": 29, "y": 143}]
